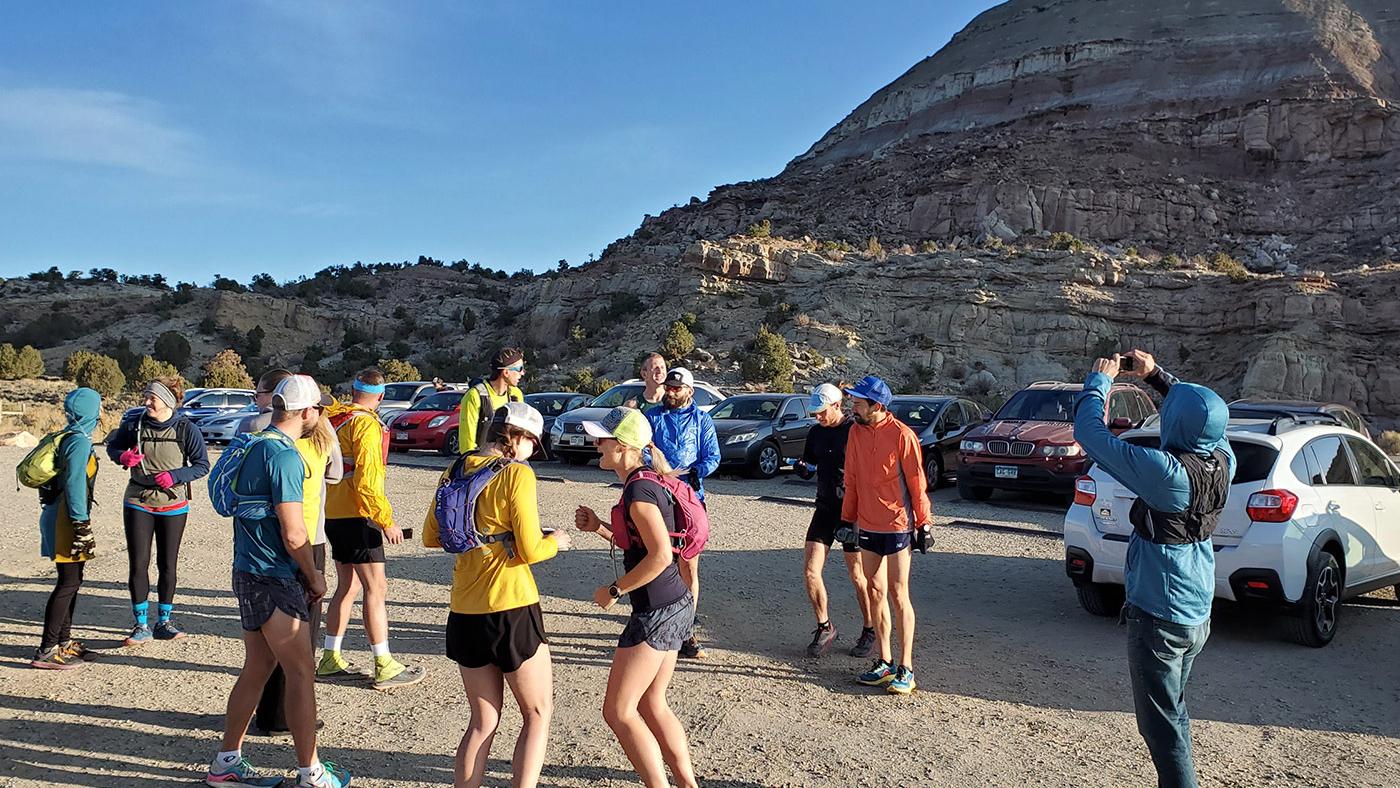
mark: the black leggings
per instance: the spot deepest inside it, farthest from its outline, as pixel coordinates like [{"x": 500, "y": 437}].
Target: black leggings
[
  {"x": 141, "y": 529},
  {"x": 58, "y": 613}
]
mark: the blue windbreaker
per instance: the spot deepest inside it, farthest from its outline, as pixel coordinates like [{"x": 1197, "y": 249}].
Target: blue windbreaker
[
  {"x": 1172, "y": 582},
  {"x": 687, "y": 437}
]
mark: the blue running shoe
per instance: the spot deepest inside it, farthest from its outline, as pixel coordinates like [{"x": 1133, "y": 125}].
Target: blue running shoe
[
  {"x": 139, "y": 634},
  {"x": 903, "y": 682},
  {"x": 165, "y": 630},
  {"x": 331, "y": 776},
  {"x": 241, "y": 773},
  {"x": 880, "y": 673}
]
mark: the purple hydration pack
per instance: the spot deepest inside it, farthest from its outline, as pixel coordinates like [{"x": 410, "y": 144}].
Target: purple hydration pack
[{"x": 455, "y": 506}]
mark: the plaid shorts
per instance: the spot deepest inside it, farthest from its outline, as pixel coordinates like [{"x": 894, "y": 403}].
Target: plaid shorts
[{"x": 259, "y": 596}]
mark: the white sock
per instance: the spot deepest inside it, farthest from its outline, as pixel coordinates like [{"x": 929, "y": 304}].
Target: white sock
[
  {"x": 333, "y": 642},
  {"x": 308, "y": 773},
  {"x": 379, "y": 649},
  {"x": 228, "y": 758}
]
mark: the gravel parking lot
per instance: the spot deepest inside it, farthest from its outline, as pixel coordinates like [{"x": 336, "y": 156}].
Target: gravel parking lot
[{"x": 1018, "y": 686}]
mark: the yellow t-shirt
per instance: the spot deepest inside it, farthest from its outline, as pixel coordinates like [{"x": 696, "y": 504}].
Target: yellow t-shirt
[
  {"x": 485, "y": 580},
  {"x": 313, "y": 480}
]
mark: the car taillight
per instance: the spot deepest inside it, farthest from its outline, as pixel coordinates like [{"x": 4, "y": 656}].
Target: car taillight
[
  {"x": 1271, "y": 506},
  {"x": 1085, "y": 491}
]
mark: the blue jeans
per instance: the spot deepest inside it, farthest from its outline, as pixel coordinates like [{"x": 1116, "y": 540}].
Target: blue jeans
[{"x": 1160, "y": 655}]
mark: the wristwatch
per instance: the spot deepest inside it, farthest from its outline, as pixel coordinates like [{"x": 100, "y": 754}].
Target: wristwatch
[{"x": 614, "y": 591}]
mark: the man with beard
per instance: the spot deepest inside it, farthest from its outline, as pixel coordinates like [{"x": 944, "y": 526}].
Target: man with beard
[
  {"x": 885, "y": 498},
  {"x": 686, "y": 435}
]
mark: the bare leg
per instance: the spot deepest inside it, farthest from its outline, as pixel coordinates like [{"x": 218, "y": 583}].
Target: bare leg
[
  {"x": 290, "y": 641},
  {"x": 533, "y": 687},
  {"x": 812, "y": 559},
  {"x": 347, "y": 585},
  {"x": 258, "y": 662},
  {"x": 485, "y": 695},
  {"x": 690, "y": 573},
  {"x": 376, "y": 586},
  {"x": 873, "y": 566},
  {"x": 633, "y": 670},
  {"x": 903, "y": 605},
  {"x": 662, "y": 722},
  {"x": 857, "y": 575}
]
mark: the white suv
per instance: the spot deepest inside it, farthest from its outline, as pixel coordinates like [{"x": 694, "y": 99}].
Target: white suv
[{"x": 1313, "y": 518}]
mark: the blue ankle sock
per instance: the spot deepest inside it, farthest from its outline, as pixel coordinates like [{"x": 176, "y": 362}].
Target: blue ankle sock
[
  {"x": 139, "y": 610},
  {"x": 164, "y": 614}
]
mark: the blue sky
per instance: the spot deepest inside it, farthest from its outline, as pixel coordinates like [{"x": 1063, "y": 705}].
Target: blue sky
[{"x": 283, "y": 136}]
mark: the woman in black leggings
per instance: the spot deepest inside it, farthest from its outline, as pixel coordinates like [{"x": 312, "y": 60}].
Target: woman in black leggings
[{"x": 164, "y": 453}]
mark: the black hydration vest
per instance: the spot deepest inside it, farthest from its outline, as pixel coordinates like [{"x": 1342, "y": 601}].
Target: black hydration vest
[{"x": 1210, "y": 484}]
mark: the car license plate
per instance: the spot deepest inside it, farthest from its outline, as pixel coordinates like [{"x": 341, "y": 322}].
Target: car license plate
[
  {"x": 575, "y": 440},
  {"x": 401, "y": 436},
  {"x": 1007, "y": 472}
]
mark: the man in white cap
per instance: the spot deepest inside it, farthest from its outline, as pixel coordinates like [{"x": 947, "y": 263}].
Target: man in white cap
[{"x": 825, "y": 457}]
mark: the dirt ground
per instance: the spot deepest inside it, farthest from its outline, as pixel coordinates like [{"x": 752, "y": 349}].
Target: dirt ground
[{"x": 1018, "y": 686}]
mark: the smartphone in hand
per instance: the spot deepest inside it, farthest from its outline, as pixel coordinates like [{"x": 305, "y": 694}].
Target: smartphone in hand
[{"x": 1127, "y": 364}]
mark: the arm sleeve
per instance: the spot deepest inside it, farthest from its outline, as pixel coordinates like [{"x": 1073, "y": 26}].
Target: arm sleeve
[
  {"x": 531, "y": 546},
  {"x": 285, "y": 475},
  {"x": 121, "y": 439},
  {"x": 369, "y": 470},
  {"x": 466, "y": 423},
  {"x": 196, "y": 455},
  {"x": 1161, "y": 381},
  {"x": 1151, "y": 474},
  {"x": 707, "y": 452},
  {"x": 912, "y": 467},
  {"x": 335, "y": 463},
  {"x": 848, "y": 503},
  {"x": 75, "y": 451}
]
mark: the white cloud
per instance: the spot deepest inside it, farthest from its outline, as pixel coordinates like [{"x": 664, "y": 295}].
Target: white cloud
[{"x": 92, "y": 127}]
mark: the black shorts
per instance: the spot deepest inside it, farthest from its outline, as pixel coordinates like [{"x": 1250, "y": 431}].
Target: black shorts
[
  {"x": 883, "y": 543},
  {"x": 663, "y": 628},
  {"x": 825, "y": 527},
  {"x": 259, "y": 596},
  {"x": 355, "y": 540},
  {"x": 505, "y": 639}
]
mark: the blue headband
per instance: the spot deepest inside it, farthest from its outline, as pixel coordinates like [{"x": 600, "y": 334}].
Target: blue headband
[{"x": 368, "y": 388}]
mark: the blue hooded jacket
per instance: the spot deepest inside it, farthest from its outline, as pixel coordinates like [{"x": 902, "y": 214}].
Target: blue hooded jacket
[
  {"x": 1171, "y": 582},
  {"x": 687, "y": 437},
  {"x": 82, "y": 406}
]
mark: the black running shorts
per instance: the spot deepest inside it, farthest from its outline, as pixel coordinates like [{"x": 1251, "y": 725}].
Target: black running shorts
[
  {"x": 826, "y": 527},
  {"x": 884, "y": 543},
  {"x": 259, "y": 596},
  {"x": 355, "y": 540},
  {"x": 505, "y": 639}
]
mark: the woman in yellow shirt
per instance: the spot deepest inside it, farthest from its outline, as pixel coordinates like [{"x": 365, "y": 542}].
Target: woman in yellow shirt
[{"x": 495, "y": 631}]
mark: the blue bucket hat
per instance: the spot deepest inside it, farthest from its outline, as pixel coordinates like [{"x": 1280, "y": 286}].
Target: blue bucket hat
[{"x": 871, "y": 388}]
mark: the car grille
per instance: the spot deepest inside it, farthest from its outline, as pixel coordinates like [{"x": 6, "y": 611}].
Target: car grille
[
  {"x": 1011, "y": 448},
  {"x": 576, "y": 427}
]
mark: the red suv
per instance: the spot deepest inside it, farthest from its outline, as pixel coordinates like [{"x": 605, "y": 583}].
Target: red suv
[{"x": 1029, "y": 444}]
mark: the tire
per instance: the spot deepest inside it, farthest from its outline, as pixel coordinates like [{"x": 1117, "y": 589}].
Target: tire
[
  {"x": 969, "y": 492},
  {"x": 1315, "y": 623},
  {"x": 1100, "y": 599},
  {"x": 576, "y": 459},
  {"x": 451, "y": 444},
  {"x": 766, "y": 461},
  {"x": 933, "y": 470}
]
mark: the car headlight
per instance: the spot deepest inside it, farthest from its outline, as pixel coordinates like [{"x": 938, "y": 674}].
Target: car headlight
[
  {"x": 972, "y": 446},
  {"x": 436, "y": 421},
  {"x": 1071, "y": 450},
  {"x": 557, "y": 428},
  {"x": 740, "y": 437}
]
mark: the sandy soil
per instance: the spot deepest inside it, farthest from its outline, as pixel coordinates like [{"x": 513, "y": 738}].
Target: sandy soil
[{"x": 1018, "y": 686}]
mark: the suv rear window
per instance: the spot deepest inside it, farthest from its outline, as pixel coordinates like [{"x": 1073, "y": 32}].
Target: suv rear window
[
  {"x": 1039, "y": 405},
  {"x": 1253, "y": 461}
]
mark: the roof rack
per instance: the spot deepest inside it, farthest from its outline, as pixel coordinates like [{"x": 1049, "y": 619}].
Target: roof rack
[
  {"x": 1283, "y": 422},
  {"x": 1050, "y": 383}
]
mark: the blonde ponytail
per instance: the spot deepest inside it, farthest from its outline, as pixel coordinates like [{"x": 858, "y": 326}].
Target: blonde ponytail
[{"x": 658, "y": 460}]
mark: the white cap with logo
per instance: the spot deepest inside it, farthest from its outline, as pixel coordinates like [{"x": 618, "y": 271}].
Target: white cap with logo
[
  {"x": 823, "y": 396},
  {"x": 679, "y": 376},
  {"x": 299, "y": 392}
]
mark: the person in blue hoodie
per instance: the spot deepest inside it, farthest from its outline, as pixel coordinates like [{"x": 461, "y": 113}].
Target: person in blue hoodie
[
  {"x": 1170, "y": 569},
  {"x": 686, "y": 435},
  {"x": 65, "y": 530}
]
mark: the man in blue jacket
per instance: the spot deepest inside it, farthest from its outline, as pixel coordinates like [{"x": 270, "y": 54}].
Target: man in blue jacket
[
  {"x": 1170, "y": 569},
  {"x": 686, "y": 435}
]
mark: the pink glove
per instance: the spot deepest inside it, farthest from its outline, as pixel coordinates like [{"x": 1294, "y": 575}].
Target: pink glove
[
  {"x": 164, "y": 480},
  {"x": 130, "y": 458}
]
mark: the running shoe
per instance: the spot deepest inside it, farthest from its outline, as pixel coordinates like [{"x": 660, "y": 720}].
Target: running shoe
[
  {"x": 165, "y": 630},
  {"x": 331, "y": 776},
  {"x": 822, "y": 638},
  {"x": 881, "y": 672},
  {"x": 241, "y": 773},
  {"x": 55, "y": 658},
  {"x": 139, "y": 634},
  {"x": 393, "y": 674},
  {"x": 691, "y": 648},
  {"x": 903, "y": 682},
  {"x": 865, "y": 644},
  {"x": 334, "y": 667},
  {"x": 75, "y": 649}
]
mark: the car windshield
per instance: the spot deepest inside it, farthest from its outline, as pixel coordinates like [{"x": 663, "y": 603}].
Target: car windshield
[
  {"x": 1039, "y": 405},
  {"x": 1253, "y": 461},
  {"x": 748, "y": 408},
  {"x": 447, "y": 400},
  {"x": 915, "y": 413},
  {"x": 400, "y": 392},
  {"x": 549, "y": 404},
  {"x": 617, "y": 395}
]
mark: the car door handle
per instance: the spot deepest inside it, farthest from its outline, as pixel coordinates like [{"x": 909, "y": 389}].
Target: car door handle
[{"x": 1332, "y": 507}]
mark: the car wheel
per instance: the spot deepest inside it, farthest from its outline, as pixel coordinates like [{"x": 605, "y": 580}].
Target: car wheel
[
  {"x": 766, "y": 462},
  {"x": 1100, "y": 599},
  {"x": 451, "y": 444},
  {"x": 933, "y": 471},
  {"x": 972, "y": 493},
  {"x": 1316, "y": 621},
  {"x": 576, "y": 459}
]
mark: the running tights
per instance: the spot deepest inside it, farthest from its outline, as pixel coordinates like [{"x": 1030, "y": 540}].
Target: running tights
[
  {"x": 58, "y": 613},
  {"x": 166, "y": 530}
]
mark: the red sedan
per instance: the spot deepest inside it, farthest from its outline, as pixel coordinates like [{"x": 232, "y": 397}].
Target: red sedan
[{"x": 430, "y": 424}]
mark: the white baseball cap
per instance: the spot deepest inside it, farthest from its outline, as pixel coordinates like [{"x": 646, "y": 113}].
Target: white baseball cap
[
  {"x": 823, "y": 396},
  {"x": 299, "y": 392},
  {"x": 521, "y": 415},
  {"x": 679, "y": 376}
]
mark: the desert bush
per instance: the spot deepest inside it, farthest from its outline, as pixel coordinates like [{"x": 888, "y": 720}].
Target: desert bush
[
  {"x": 763, "y": 229},
  {"x": 95, "y": 371},
  {"x": 172, "y": 347},
  {"x": 692, "y": 322},
  {"x": 678, "y": 341},
  {"x": 398, "y": 370},
  {"x": 835, "y": 246},
  {"x": 149, "y": 369},
  {"x": 873, "y": 247},
  {"x": 468, "y": 320},
  {"x": 928, "y": 247},
  {"x": 578, "y": 334},
  {"x": 780, "y": 314},
  {"x": 25, "y": 362},
  {"x": 226, "y": 369},
  {"x": 768, "y": 361},
  {"x": 253, "y": 342},
  {"x": 1067, "y": 242},
  {"x": 1389, "y": 441},
  {"x": 622, "y": 306},
  {"x": 1229, "y": 266}
]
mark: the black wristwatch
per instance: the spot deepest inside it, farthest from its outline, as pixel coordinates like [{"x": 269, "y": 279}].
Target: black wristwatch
[{"x": 614, "y": 591}]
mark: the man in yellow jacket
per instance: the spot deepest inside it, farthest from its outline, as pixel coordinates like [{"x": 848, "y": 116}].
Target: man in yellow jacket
[
  {"x": 482, "y": 400},
  {"x": 359, "y": 521}
]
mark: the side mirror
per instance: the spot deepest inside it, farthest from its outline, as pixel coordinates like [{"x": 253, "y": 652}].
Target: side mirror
[
  {"x": 788, "y": 418},
  {"x": 1121, "y": 423}
]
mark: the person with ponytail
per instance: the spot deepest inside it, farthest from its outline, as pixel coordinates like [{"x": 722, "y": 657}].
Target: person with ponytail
[{"x": 164, "y": 452}]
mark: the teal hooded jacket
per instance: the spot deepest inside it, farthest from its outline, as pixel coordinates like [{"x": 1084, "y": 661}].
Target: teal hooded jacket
[{"x": 82, "y": 407}]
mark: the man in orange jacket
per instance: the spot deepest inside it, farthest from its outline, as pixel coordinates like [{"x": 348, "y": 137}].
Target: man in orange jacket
[{"x": 885, "y": 499}]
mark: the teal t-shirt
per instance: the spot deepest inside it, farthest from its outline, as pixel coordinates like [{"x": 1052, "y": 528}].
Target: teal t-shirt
[{"x": 273, "y": 470}]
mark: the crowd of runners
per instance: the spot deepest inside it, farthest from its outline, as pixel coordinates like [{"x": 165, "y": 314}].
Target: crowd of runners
[{"x": 309, "y": 471}]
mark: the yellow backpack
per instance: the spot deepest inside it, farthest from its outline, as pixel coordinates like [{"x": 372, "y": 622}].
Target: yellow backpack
[{"x": 40, "y": 465}]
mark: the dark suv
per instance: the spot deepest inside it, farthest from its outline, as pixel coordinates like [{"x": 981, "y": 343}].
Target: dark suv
[{"x": 1029, "y": 444}]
